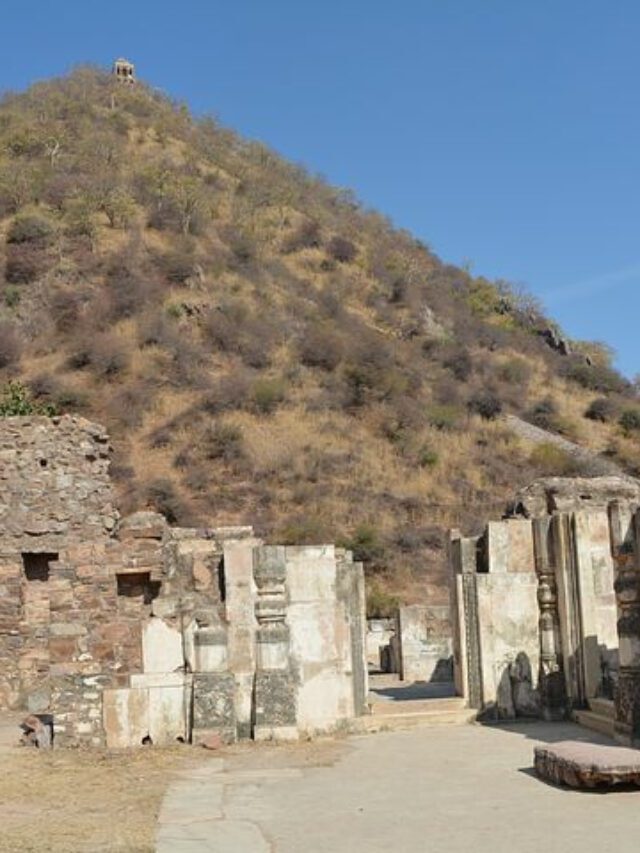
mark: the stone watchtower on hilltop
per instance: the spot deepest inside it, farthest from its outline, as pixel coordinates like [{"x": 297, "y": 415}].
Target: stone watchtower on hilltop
[{"x": 124, "y": 71}]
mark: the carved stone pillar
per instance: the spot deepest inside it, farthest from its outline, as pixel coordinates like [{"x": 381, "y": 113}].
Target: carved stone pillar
[
  {"x": 274, "y": 712},
  {"x": 625, "y": 544},
  {"x": 213, "y": 686},
  {"x": 562, "y": 557},
  {"x": 552, "y": 687}
]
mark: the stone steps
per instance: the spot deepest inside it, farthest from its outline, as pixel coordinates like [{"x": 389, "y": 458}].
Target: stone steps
[
  {"x": 415, "y": 706},
  {"x": 599, "y": 717},
  {"x": 392, "y": 716},
  {"x": 596, "y": 722},
  {"x": 603, "y": 707}
]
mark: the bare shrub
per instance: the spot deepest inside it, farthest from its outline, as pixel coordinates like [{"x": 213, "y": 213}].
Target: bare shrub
[
  {"x": 595, "y": 377},
  {"x": 196, "y": 478},
  {"x": 104, "y": 354},
  {"x": 25, "y": 263},
  {"x": 65, "y": 307},
  {"x": 305, "y": 236},
  {"x": 367, "y": 546},
  {"x": 321, "y": 347},
  {"x": 552, "y": 461},
  {"x": 486, "y": 404},
  {"x": 629, "y": 420},
  {"x": 178, "y": 265},
  {"x": 257, "y": 341},
  {"x": 601, "y": 409},
  {"x": 48, "y": 391},
  {"x": 10, "y": 346},
  {"x": 160, "y": 494},
  {"x": 31, "y": 228},
  {"x": 222, "y": 441},
  {"x": 44, "y": 386},
  {"x": 242, "y": 245},
  {"x": 232, "y": 328},
  {"x": 127, "y": 289},
  {"x": 443, "y": 417},
  {"x": 369, "y": 370},
  {"x": 154, "y": 329},
  {"x": 543, "y": 414},
  {"x": 12, "y": 296},
  {"x": 460, "y": 364},
  {"x": 516, "y": 371},
  {"x": 381, "y": 604},
  {"x": 229, "y": 393},
  {"x": 342, "y": 250},
  {"x": 303, "y": 529},
  {"x": 128, "y": 405},
  {"x": 267, "y": 394},
  {"x": 68, "y": 399},
  {"x": 222, "y": 326},
  {"x": 428, "y": 457}
]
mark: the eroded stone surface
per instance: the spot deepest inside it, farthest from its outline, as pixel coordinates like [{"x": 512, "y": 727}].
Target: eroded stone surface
[{"x": 587, "y": 765}]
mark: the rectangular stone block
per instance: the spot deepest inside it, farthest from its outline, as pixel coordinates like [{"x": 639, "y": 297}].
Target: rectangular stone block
[{"x": 125, "y": 717}]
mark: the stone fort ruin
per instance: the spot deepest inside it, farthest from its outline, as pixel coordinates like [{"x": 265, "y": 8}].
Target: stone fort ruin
[
  {"x": 546, "y": 607},
  {"x": 128, "y": 631},
  {"x": 124, "y": 71}
]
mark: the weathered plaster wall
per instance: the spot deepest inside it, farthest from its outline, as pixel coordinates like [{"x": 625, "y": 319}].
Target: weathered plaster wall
[
  {"x": 379, "y": 633},
  {"x": 327, "y": 643},
  {"x": 424, "y": 649},
  {"x": 509, "y": 642}
]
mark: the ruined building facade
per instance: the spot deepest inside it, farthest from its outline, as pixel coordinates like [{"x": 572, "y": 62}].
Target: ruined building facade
[
  {"x": 547, "y": 607},
  {"x": 127, "y": 630}
]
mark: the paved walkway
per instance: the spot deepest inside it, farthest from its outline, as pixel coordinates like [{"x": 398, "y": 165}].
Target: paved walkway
[{"x": 432, "y": 790}]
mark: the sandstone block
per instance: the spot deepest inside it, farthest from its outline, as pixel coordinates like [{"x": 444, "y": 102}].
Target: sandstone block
[
  {"x": 67, "y": 629},
  {"x": 587, "y": 765}
]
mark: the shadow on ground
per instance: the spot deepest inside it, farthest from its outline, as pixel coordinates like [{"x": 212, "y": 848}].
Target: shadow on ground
[{"x": 417, "y": 690}]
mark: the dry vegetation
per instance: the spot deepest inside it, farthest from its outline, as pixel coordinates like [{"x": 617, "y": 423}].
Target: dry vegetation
[
  {"x": 262, "y": 349},
  {"x": 67, "y": 801}
]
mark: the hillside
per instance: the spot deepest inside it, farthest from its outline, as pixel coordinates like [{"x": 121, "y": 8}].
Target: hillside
[{"x": 262, "y": 349}]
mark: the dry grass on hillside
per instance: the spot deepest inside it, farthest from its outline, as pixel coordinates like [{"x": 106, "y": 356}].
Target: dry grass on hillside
[{"x": 262, "y": 349}]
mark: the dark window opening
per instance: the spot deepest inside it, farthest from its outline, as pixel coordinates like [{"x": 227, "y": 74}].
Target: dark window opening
[
  {"x": 36, "y": 566},
  {"x": 138, "y": 585},
  {"x": 43, "y": 463}
]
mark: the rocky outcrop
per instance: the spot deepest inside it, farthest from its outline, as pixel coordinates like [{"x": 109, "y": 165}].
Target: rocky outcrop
[{"x": 587, "y": 459}]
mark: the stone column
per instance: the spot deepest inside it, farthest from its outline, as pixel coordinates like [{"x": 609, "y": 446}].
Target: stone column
[
  {"x": 563, "y": 559},
  {"x": 213, "y": 686},
  {"x": 274, "y": 712},
  {"x": 463, "y": 558},
  {"x": 552, "y": 687},
  {"x": 626, "y": 554}
]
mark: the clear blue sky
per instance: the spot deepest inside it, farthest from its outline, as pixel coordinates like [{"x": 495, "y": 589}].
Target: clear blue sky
[{"x": 502, "y": 132}]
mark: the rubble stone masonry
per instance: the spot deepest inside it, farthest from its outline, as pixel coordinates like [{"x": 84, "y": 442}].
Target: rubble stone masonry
[{"x": 120, "y": 627}]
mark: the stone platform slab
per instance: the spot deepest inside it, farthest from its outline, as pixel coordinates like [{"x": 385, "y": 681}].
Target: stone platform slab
[{"x": 587, "y": 765}]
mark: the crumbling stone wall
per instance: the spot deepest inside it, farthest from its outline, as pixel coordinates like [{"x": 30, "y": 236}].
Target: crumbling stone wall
[
  {"x": 54, "y": 483},
  {"x": 55, "y": 501},
  {"x": 128, "y": 630}
]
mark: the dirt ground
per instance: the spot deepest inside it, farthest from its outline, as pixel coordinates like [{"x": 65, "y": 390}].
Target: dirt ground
[
  {"x": 68, "y": 801},
  {"x": 96, "y": 801}
]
